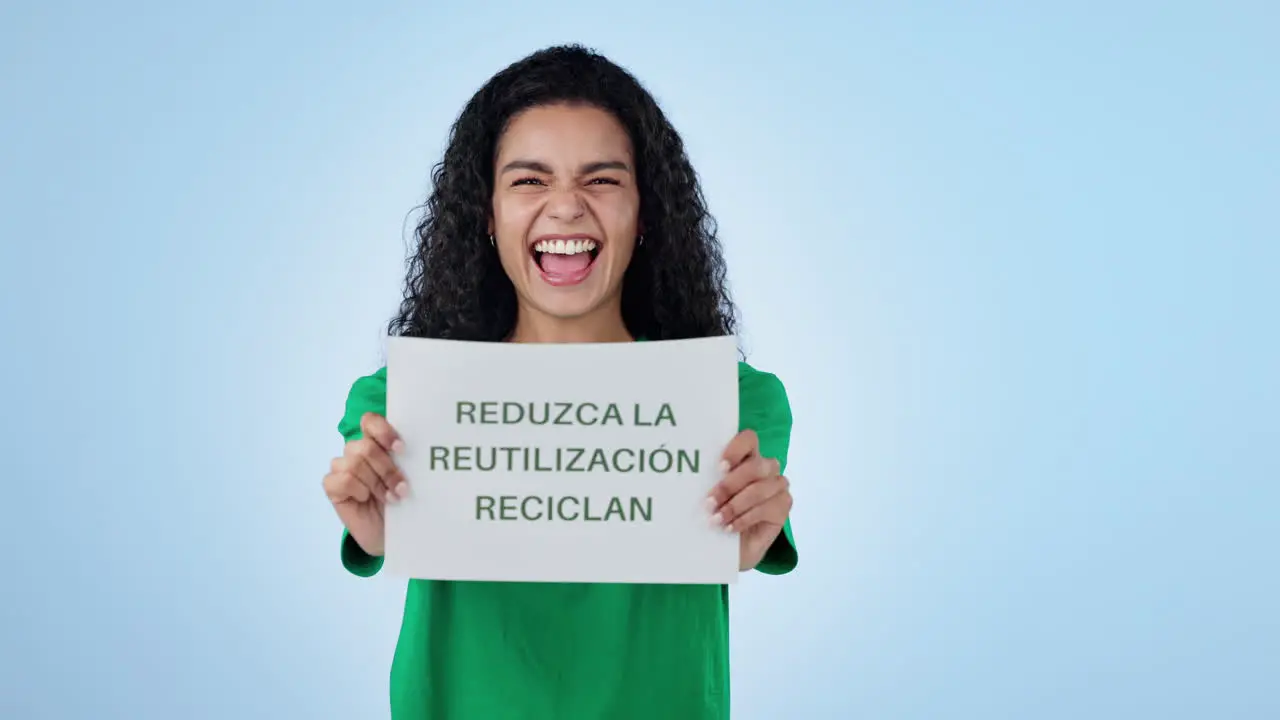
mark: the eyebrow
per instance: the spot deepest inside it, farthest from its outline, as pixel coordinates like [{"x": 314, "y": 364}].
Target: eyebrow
[{"x": 541, "y": 167}]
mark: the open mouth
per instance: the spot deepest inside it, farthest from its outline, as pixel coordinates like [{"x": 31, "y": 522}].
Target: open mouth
[{"x": 565, "y": 261}]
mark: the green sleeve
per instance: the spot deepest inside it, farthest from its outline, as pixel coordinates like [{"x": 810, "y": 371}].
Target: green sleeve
[
  {"x": 368, "y": 394},
  {"x": 763, "y": 407}
]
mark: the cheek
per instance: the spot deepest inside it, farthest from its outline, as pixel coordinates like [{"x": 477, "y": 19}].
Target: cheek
[
  {"x": 511, "y": 251},
  {"x": 511, "y": 218},
  {"x": 621, "y": 219},
  {"x": 507, "y": 232},
  {"x": 504, "y": 213}
]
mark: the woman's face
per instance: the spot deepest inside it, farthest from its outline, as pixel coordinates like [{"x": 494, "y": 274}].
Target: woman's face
[{"x": 565, "y": 209}]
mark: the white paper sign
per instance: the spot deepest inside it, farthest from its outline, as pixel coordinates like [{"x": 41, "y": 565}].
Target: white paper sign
[{"x": 561, "y": 462}]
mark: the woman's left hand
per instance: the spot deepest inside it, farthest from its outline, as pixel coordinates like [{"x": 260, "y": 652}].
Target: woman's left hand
[{"x": 752, "y": 500}]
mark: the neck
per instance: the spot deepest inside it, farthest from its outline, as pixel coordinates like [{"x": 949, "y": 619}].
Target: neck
[{"x": 603, "y": 327}]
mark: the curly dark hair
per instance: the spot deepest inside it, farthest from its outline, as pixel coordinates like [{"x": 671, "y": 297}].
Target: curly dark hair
[{"x": 455, "y": 287}]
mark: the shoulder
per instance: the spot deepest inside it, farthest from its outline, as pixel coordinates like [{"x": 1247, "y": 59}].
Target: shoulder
[
  {"x": 368, "y": 394},
  {"x": 764, "y": 408},
  {"x": 762, "y": 393}
]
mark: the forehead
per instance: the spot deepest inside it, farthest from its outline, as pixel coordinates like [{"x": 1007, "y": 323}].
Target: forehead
[{"x": 564, "y": 133}]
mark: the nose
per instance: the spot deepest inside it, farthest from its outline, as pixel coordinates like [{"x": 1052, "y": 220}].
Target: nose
[{"x": 566, "y": 205}]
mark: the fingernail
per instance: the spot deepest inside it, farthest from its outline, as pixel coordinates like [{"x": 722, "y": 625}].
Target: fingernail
[
  {"x": 397, "y": 446},
  {"x": 391, "y": 498},
  {"x": 402, "y": 490},
  {"x": 717, "y": 520},
  {"x": 711, "y": 504},
  {"x": 724, "y": 467}
]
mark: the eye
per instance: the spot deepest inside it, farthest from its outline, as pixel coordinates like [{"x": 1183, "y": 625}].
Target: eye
[
  {"x": 527, "y": 181},
  {"x": 603, "y": 181}
]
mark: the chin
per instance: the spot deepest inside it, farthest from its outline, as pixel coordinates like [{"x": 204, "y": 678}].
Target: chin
[{"x": 565, "y": 308}]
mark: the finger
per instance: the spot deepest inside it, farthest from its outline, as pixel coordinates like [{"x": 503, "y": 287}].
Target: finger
[
  {"x": 753, "y": 495},
  {"x": 357, "y": 466},
  {"x": 774, "y": 510},
  {"x": 739, "y": 478},
  {"x": 385, "y": 481},
  {"x": 376, "y": 427},
  {"x": 383, "y": 466},
  {"x": 743, "y": 445},
  {"x": 393, "y": 481},
  {"x": 342, "y": 486},
  {"x": 381, "y": 461}
]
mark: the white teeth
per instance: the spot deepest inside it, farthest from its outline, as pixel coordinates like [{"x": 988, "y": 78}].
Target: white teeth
[{"x": 564, "y": 247}]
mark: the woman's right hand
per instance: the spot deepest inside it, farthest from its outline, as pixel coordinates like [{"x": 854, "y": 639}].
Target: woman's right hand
[{"x": 364, "y": 479}]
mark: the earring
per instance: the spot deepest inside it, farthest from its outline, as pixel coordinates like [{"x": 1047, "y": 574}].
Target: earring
[
  {"x": 641, "y": 242},
  {"x": 491, "y": 242}
]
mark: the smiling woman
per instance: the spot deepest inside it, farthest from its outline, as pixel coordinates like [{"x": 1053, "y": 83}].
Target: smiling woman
[
  {"x": 568, "y": 203},
  {"x": 565, "y": 210},
  {"x": 565, "y": 145}
]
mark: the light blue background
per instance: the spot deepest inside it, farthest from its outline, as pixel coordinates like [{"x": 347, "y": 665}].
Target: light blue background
[{"x": 1017, "y": 266}]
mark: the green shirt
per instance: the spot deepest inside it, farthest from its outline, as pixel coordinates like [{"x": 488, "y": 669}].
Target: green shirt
[{"x": 571, "y": 651}]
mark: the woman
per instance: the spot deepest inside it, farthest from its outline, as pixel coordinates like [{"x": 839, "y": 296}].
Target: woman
[{"x": 565, "y": 210}]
